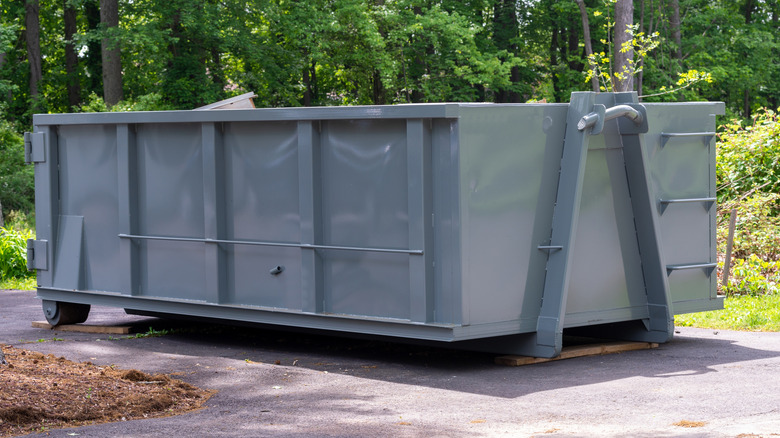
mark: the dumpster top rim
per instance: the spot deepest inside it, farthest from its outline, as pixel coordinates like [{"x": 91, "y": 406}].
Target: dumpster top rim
[
  {"x": 291, "y": 114},
  {"x": 401, "y": 111}
]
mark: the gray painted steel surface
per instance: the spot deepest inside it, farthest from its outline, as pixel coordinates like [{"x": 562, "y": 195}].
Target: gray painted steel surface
[{"x": 491, "y": 226}]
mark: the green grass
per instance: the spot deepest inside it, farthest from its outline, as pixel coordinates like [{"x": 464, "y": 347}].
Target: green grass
[
  {"x": 18, "y": 283},
  {"x": 746, "y": 312}
]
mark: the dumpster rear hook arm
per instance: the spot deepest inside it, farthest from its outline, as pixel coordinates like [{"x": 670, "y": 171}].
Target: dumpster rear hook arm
[{"x": 590, "y": 120}]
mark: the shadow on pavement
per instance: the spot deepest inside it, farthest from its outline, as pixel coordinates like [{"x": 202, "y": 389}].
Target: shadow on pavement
[{"x": 380, "y": 360}]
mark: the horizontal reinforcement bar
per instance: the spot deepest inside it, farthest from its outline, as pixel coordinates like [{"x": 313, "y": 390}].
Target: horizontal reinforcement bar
[
  {"x": 687, "y": 134},
  {"x": 693, "y": 266},
  {"x": 276, "y": 244},
  {"x": 708, "y": 267},
  {"x": 676, "y": 201},
  {"x": 708, "y": 202},
  {"x": 706, "y": 136}
]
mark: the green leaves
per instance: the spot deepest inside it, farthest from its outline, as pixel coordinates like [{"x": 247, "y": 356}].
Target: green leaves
[
  {"x": 748, "y": 178},
  {"x": 13, "y": 253},
  {"x": 749, "y": 157},
  {"x": 16, "y": 179}
]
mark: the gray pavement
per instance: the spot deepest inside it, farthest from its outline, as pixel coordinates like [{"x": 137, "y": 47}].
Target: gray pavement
[{"x": 330, "y": 386}]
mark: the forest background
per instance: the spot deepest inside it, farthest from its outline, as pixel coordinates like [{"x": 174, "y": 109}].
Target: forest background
[
  {"x": 64, "y": 55},
  {"x": 122, "y": 55}
]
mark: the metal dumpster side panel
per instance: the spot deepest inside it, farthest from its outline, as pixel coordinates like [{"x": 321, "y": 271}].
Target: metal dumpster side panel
[
  {"x": 171, "y": 204},
  {"x": 88, "y": 190},
  {"x": 262, "y": 192},
  {"x": 509, "y": 164},
  {"x": 365, "y": 204},
  {"x": 170, "y": 173}
]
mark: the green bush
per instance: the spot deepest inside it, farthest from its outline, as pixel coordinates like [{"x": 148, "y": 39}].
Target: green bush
[
  {"x": 757, "y": 230},
  {"x": 147, "y": 102},
  {"x": 17, "y": 185},
  {"x": 13, "y": 253},
  {"x": 748, "y": 174},
  {"x": 749, "y": 158}
]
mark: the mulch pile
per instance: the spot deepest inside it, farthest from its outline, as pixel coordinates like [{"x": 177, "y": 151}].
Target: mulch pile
[{"x": 40, "y": 392}]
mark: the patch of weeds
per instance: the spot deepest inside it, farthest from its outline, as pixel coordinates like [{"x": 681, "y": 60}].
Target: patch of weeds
[
  {"x": 151, "y": 333},
  {"x": 42, "y": 340},
  {"x": 741, "y": 312},
  {"x": 27, "y": 283}
]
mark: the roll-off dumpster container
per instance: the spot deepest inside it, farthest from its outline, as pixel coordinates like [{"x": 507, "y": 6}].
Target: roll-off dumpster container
[{"x": 490, "y": 226}]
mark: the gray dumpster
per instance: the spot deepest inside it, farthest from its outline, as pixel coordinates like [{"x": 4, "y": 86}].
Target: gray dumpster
[{"x": 492, "y": 227}]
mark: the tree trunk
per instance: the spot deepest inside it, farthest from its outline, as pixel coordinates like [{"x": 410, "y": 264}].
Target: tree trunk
[
  {"x": 676, "y": 35},
  {"x": 505, "y": 30},
  {"x": 33, "y": 36},
  {"x": 572, "y": 48},
  {"x": 640, "y": 76},
  {"x": 418, "y": 67},
  {"x": 377, "y": 88},
  {"x": 746, "y": 106},
  {"x": 624, "y": 16},
  {"x": 112, "y": 57},
  {"x": 306, "y": 86},
  {"x": 773, "y": 98},
  {"x": 93, "y": 62},
  {"x": 749, "y": 6},
  {"x": 554, "y": 48},
  {"x": 594, "y": 81},
  {"x": 71, "y": 57},
  {"x": 217, "y": 71}
]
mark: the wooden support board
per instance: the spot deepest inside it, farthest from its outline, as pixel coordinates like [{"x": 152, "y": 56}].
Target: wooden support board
[
  {"x": 577, "y": 351},
  {"x": 82, "y": 328}
]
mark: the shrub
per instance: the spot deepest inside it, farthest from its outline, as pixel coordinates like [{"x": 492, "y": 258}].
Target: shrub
[
  {"x": 13, "y": 253},
  {"x": 17, "y": 185},
  {"x": 748, "y": 175},
  {"x": 749, "y": 157},
  {"x": 146, "y": 102}
]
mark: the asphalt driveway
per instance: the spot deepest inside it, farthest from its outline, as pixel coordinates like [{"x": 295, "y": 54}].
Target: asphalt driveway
[{"x": 282, "y": 384}]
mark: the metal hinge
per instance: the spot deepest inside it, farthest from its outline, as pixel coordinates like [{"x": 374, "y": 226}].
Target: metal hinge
[
  {"x": 34, "y": 150},
  {"x": 37, "y": 254}
]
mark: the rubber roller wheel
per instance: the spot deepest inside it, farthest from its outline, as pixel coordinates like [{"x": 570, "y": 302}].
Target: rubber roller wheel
[{"x": 59, "y": 313}]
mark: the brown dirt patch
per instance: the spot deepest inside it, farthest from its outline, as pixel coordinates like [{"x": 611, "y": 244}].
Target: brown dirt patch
[
  {"x": 39, "y": 392},
  {"x": 686, "y": 423}
]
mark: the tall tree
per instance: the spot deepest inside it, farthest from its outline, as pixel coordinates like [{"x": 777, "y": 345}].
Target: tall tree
[
  {"x": 33, "y": 36},
  {"x": 93, "y": 61},
  {"x": 624, "y": 17},
  {"x": 71, "y": 57},
  {"x": 505, "y": 34},
  {"x": 112, "y": 56},
  {"x": 594, "y": 80},
  {"x": 674, "y": 23}
]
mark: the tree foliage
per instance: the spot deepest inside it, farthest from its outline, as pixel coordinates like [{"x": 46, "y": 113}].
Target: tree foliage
[{"x": 187, "y": 53}]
